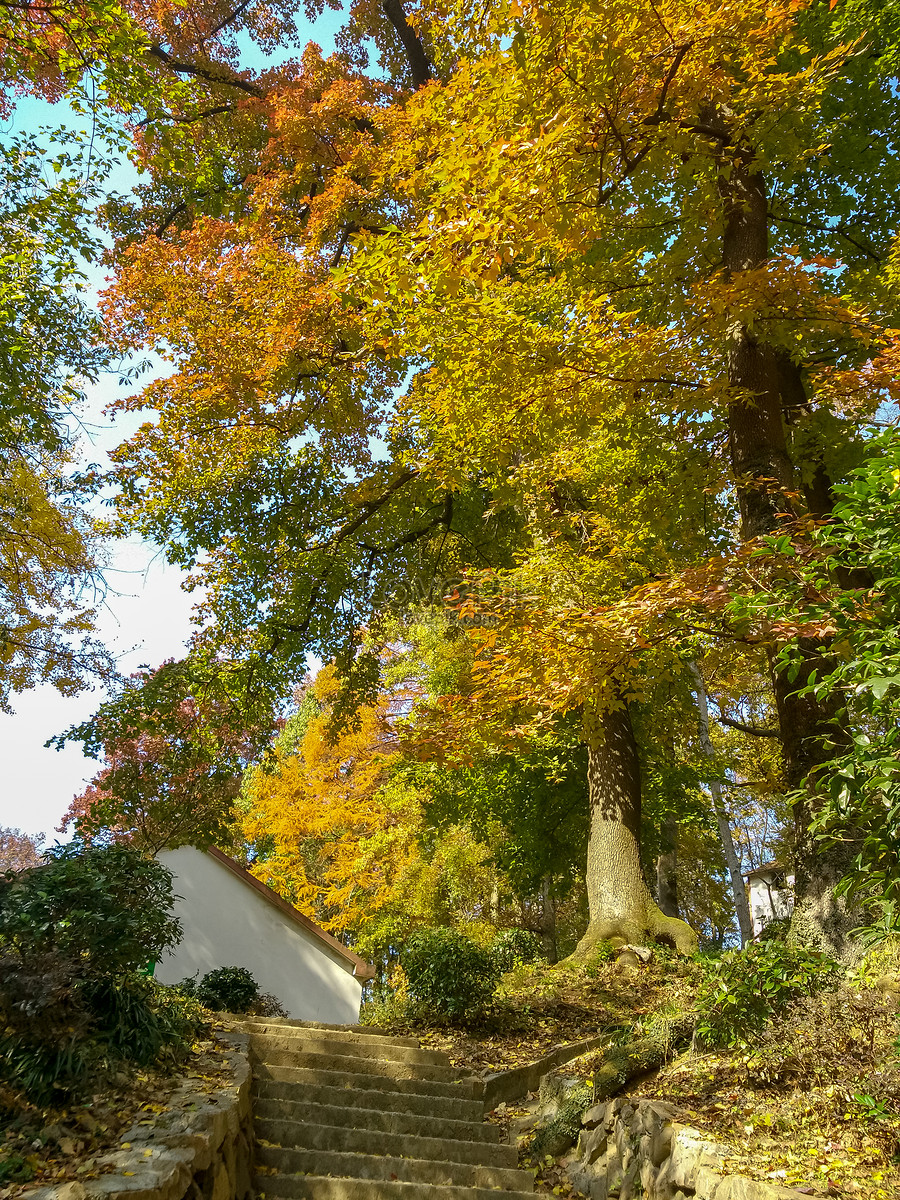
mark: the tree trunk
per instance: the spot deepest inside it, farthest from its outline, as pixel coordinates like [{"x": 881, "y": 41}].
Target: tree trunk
[
  {"x": 667, "y": 869},
  {"x": 741, "y": 904},
  {"x": 620, "y": 905},
  {"x": 757, "y": 439},
  {"x": 548, "y": 920},
  {"x": 765, "y": 383}
]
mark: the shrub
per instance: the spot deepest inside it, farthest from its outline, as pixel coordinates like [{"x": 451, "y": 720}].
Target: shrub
[
  {"x": 74, "y": 933},
  {"x": 231, "y": 989},
  {"x": 448, "y": 975},
  {"x": 744, "y": 988},
  {"x": 228, "y": 989},
  {"x": 143, "y": 1021},
  {"x": 107, "y": 908},
  {"x": 267, "y": 1005},
  {"x": 44, "y": 1042},
  {"x": 514, "y": 948}
]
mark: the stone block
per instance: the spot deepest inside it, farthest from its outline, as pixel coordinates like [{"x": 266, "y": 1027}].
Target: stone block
[
  {"x": 592, "y": 1144},
  {"x": 648, "y": 1176},
  {"x": 594, "y": 1116},
  {"x": 690, "y": 1151},
  {"x": 631, "y": 1181},
  {"x": 707, "y": 1182},
  {"x": 199, "y": 1149}
]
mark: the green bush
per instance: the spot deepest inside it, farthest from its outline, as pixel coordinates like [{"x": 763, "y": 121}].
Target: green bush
[
  {"x": 228, "y": 989},
  {"x": 143, "y": 1021},
  {"x": 107, "y": 908},
  {"x": 448, "y": 975},
  {"x": 744, "y": 988},
  {"x": 514, "y": 948},
  {"x": 74, "y": 934}
]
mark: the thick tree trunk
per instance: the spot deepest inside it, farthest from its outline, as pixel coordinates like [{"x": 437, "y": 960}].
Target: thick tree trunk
[
  {"x": 741, "y": 904},
  {"x": 766, "y": 383},
  {"x": 620, "y": 905},
  {"x": 667, "y": 869},
  {"x": 757, "y": 440}
]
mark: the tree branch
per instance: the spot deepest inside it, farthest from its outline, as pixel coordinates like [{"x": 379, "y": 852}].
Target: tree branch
[
  {"x": 207, "y": 73},
  {"x": 419, "y": 66},
  {"x": 751, "y": 729}
]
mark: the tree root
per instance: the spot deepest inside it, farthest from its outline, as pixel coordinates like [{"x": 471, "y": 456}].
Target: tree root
[
  {"x": 657, "y": 927},
  {"x": 623, "y": 1062}
]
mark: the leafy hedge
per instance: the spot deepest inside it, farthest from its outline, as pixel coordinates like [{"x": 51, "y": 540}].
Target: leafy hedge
[
  {"x": 744, "y": 988},
  {"x": 76, "y": 935},
  {"x": 448, "y": 975}
]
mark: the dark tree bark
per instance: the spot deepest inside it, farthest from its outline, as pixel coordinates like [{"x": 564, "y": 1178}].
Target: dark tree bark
[
  {"x": 419, "y": 66},
  {"x": 767, "y": 384}
]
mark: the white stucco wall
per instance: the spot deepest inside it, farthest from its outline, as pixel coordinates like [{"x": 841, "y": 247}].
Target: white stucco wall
[
  {"x": 228, "y": 924},
  {"x": 768, "y": 901}
]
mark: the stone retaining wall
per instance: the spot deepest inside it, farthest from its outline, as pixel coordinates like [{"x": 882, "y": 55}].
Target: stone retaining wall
[
  {"x": 504, "y": 1086},
  {"x": 632, "y": 1148},
  {"x": 200, "y": 1148}
]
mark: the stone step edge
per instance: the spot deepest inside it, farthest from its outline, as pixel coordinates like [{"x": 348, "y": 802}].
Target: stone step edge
[
  {"x": 346, "y": 1062},
  {"x": 345, "y": 1048},
  {"x": 241, "y": 1020},
  {"x": 338, "y": 1188},
  {"x": 361, "y": 1112},
  {"x": 462, "y": 1089},
  {"x": 443, "y": 1150},
  {"x": 349, "y": 1034},
  {"x": 402, "y": 1102},
  {"x": 347, "y": 1169}
]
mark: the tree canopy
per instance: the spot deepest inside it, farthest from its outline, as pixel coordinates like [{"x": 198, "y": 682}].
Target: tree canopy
[{"x": 571, "y": 321}]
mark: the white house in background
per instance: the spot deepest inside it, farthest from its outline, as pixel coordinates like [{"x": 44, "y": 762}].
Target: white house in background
[
  {"x": 230, "y": 919},
  {"x": 771, "y": 895}
]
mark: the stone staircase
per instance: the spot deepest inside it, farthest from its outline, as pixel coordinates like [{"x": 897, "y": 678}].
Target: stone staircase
[{"x": 347, "y": 1113}]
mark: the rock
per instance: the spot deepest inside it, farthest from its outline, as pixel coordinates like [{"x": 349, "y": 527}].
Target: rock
[
  {"x": 594, "y": 1116},
  {"x": 631, "y": 1181},
  {"x": 644, "y": 953},
  {"x": 889, "y": 986},
  {"x": 591, "y": 1144},
  {"x": 521, "y": 1127},
  {"x": 87, "y": 1121}
]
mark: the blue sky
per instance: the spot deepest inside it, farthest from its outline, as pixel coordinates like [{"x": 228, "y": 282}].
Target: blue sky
[{"x": 145, "y": 617}]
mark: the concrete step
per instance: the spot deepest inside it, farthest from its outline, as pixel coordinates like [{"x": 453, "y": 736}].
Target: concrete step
[
  {"x": 304, "y": 1041},
  {"x": 297, "y": 1135},
  {"x": 416, "y": 1105},
  {"x": 318, "y": 1187},
  {"x": 336, "y": 1074},
  {"x": 364, "y": 1034},
  {"x": 350, "y": 1063},
  {"x": 386, "y": 1167},
  {"x": 419, "y": 1124}
]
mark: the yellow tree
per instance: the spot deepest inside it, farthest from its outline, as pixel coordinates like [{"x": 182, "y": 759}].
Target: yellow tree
[{"x": 329, "y": 831}]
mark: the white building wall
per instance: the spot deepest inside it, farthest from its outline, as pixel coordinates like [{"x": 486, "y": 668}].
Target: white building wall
[
  {"x": 768, "y": 901},
  {"x": 227, "y": 923}
]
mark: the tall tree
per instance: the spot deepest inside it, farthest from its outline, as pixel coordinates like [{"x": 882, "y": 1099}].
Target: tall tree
[{"x": 667, "y": 163}]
